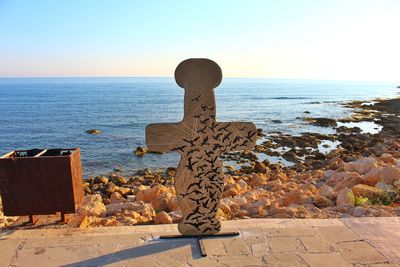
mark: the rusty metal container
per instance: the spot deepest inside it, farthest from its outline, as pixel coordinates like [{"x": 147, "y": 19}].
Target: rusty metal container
[{"x": 39, "y": 182}]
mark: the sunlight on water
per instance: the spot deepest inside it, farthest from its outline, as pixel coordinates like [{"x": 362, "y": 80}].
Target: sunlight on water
[{"x": 56, "y": 112}]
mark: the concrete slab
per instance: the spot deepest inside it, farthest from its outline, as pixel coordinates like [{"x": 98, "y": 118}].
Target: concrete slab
[{"x": 262, "y": 242}]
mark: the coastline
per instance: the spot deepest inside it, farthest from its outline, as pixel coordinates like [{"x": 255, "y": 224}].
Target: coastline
[{"x": 359, "y": 178}]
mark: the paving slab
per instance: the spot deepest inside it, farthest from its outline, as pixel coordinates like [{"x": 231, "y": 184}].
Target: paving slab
[{"x": 262, "y": 242}]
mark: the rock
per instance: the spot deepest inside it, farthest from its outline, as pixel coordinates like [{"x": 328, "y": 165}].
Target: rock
[
  {"x": 373, "y": 176},
  {"x": 162, "y": 218},
  {"x": 86, "y": 188},
  {"x": 242, "y": 186},
  {"x": 145, "y": 210},
  {"x": 124, "y": 191},
  {"x": 118, "y": 180},
  {"x": 388, "y": 158},
  {"x": 93, "y": 131},
  {"x": 145, "y": 171},
  {"x": 323, "y": 122},
  {"x": 345, "y": 198},
  {"x": 326, "y": 191},
  {"x": 173, "y": 203},
  {"x": 110, "y": 188},
  {"x": 92, "y": 206},
  {"x": 350, "y": 179},
  {"x": 296, "y": 197},
  {"x": 274, "y": 185},
  {"x": 360, "y": 212},
  {"x": 323, "y": 202},
  {"x": 390, "y": 174},
  {"x": 258, "y": 179},
  {"x": 319, "y": 156},
  {"x": 259, "y": 167},
  {"x": 385, "y": 187},
  {"x": 170, "y": 172},
  {"x": 78, "y": 221},
  {"x": 361, "y": 166},
  {"x": 362, "y": 190},
  {"x": 226, "y": 209},
  {"x": 100, "y": 180},
  {"x": 254, "y": 210},
  {"x": 397, "y": 211},
  {"x": 140, "y": 151},
  {"x": 240, "y": 200},
  {"x": 231, "y": 192},
  {"x": 160, "y": 202},
  {"x": 148, "y": 195},
  {"x": 116, "y": 198}
]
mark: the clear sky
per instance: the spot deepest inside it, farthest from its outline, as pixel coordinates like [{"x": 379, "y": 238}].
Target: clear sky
[{"x": 307, "y": 39}]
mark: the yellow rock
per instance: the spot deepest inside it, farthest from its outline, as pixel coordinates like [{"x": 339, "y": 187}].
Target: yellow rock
[{"x": 366, "y": 191}]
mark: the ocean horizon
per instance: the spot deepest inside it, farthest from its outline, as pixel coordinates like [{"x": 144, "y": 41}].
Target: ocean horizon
[{"x": 57, "y": 112}]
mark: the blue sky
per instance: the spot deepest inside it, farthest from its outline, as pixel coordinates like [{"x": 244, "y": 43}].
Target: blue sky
[{"x": 309, "y": 39}]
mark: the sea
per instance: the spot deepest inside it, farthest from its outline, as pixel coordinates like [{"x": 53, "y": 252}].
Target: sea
[{"x": 57, "y": 112}]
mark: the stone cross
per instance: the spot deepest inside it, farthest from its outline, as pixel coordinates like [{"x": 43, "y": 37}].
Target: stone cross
[{"x": 200, "y": 139}]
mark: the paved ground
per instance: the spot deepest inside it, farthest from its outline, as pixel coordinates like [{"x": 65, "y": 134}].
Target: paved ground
[{"x": 262, "y": 242}]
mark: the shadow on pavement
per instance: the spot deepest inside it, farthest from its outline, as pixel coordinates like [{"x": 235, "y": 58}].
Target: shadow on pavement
[{"x": 146, "y": 250}]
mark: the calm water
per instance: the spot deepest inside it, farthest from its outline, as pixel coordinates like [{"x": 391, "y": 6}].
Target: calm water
[{"x": 56, "y": 112}]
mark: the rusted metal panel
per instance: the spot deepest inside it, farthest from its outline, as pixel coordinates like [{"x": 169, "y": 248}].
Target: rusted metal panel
[{"x": 37, "y": 182}]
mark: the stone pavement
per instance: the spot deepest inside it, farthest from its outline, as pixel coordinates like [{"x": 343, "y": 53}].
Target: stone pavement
[{"x": 262, "y": 242}]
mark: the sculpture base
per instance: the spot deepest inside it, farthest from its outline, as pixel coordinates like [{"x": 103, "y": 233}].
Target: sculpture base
[{"x": 200, "y": 239}]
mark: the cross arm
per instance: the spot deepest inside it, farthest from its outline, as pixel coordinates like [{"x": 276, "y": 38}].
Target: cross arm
[{"x": 164, "y": 137}]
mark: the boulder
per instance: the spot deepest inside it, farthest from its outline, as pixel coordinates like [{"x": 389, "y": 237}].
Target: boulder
[
  {"x": 385, "y": 187},
  {"x": 140, "y": 151},
  {"x": 242, "y": 186},
  {"x": 350, "y": 179},
  {"x": 361, "y": 166},
  {"x": 176, "y": 216},
  {"x": 92, "y": 206},
  {"x": 93, "y": 131},
  {"x": 160, "y": 202},
  {"x": 323, "y": 202},
  {"x": 148, "y": 195},
  {"x": 258, "y": 179},
  {"x": 110, "y": 188},
  {"x": 231, "y": 192},
  {"x": 123, "y": 191},
  {"x": 390, "y": 174},
  {"x": 226, "y": 209},
  {"x": 362, "y": 190},
  {"x": 260, "y": 167},
  {"x": 326, "y": 191},
  {"x": 173, "y": 204},
  {"x": 360, "y": 212},
  {"x": 100, "y": 180},
  {"x": 388, "y": 158},
  {"x": 118, "y": 180},
  {"x": 298, "y": 196},
  {"x": 162, "y": 218},
  {"x": 372, "y": 176},
  {"x": 323, "y": 122},
  {"x": 116, "y": 198},
  {"x": 345, "y": 198},
  {"x": 145, "y": 210}
]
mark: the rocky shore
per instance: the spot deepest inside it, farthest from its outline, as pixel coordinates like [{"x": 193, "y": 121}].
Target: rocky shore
[{"x": 351, "y": 173}]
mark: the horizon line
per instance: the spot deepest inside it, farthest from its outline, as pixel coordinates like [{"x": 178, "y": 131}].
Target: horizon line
[{"x": 228, "y": 77}]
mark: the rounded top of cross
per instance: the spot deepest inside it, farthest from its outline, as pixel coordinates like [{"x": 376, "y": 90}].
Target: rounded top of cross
[{"x": 196, "y": 73}]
